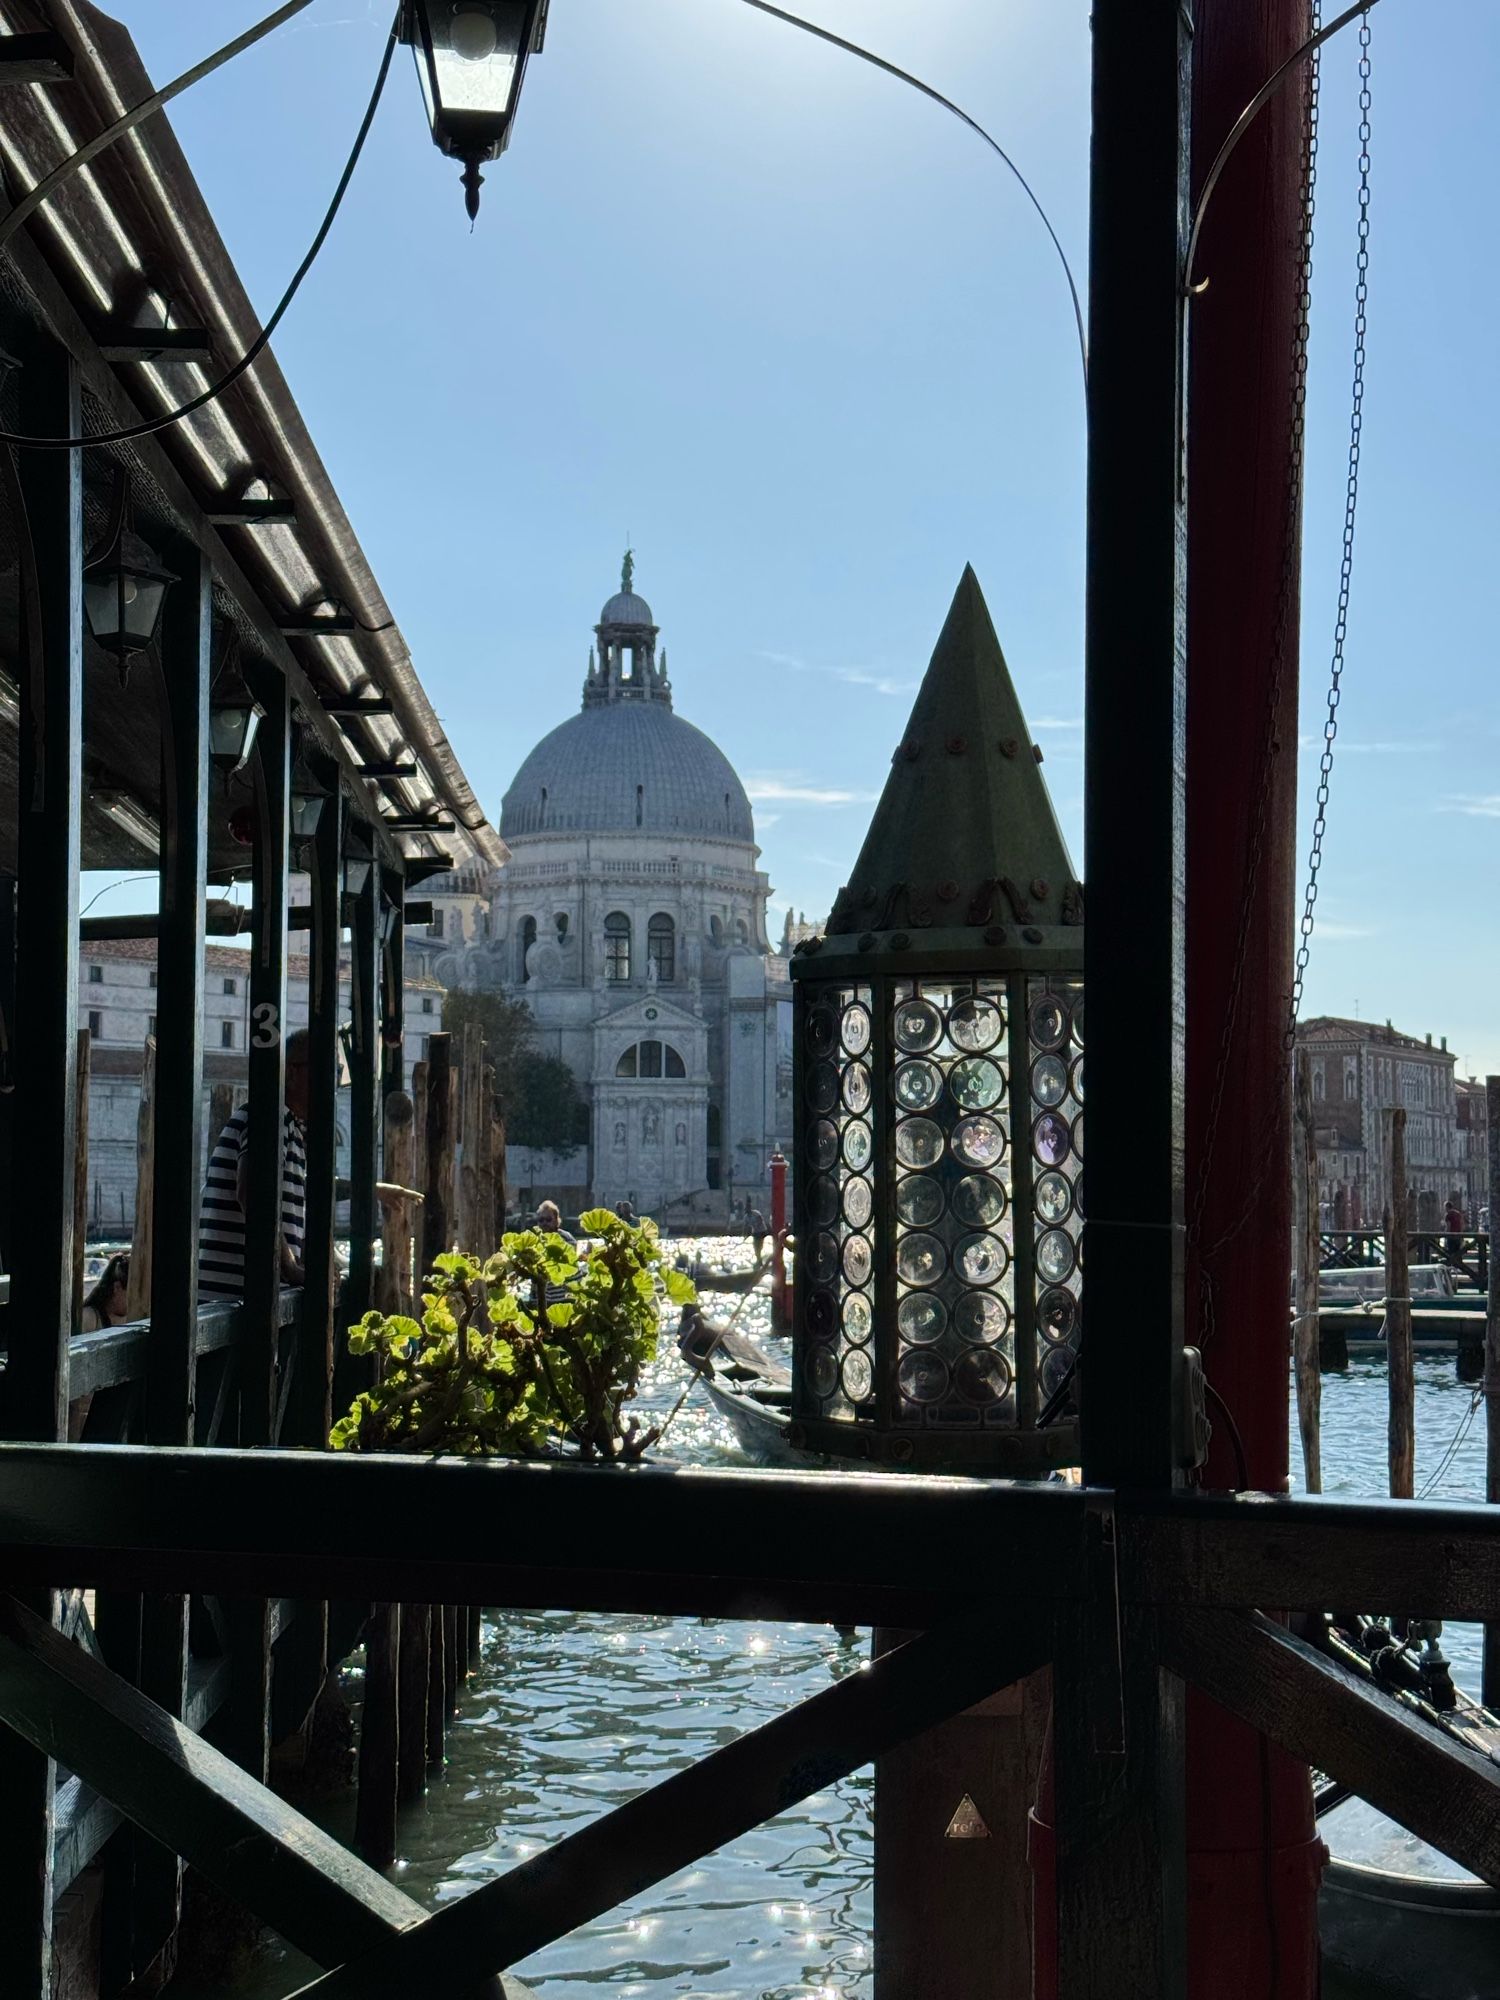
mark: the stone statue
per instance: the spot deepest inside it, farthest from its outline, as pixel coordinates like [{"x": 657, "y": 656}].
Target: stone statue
[
  {"x": 651, "y": 1127},
  {"x": 652, "y": 972},
  {"x": 627, "y": 571},
  {"x": 620, "y": 1134}
]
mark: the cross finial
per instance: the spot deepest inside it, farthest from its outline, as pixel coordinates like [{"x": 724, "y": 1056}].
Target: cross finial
[{"x": 627, "y": 570}]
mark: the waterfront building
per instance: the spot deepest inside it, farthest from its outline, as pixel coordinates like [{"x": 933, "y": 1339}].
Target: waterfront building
[
  {"x": 1472, "y": 1176},
  {"x": 1359, "y": 1071},
  {"x": 631, "y": 919}
]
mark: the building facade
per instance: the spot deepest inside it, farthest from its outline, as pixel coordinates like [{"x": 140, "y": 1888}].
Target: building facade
[
  {"x": 631, "y": 919},
  {"x": 1359, "y": 1072},
  {"x": 1473, "y": 1172}
]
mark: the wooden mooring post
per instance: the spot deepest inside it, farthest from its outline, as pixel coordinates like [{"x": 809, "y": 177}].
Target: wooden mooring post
[
  {"x": 411, "y": 1768},
  {"x": 437, "y": 1213},
  {"x": 1398, "y": 1354},
  {"x": 379, "y": 1739},
  {"x": 138, "y": 1290},
  {"x": 1306, "y": 1334},
  {"x": 399, "y": 1219}
]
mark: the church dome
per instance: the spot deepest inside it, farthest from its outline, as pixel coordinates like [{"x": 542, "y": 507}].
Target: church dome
[
  {"x": 627, "y": 767},
  {"x": 625, "y": 608}
]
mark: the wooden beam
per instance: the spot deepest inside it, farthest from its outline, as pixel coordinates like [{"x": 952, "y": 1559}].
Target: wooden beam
[
  {"x": 340, "y": 706},
  {"x": 1434, "y": 1786},
  {"x": 760, "y": 1774},
  {"x": 155, "y": 343},
  {"x": 42, "y": 57},
  {"x": 388, "y": 767},
  {"x": 896, "y": 1550},
  {"x": 192, "y": 1798},
  {"x": 334, "y": 625},
  {"x": 227, "y": 512}
]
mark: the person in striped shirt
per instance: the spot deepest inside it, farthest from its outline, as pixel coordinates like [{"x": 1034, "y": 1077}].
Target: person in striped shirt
[{"x": 225, "y": 1200}]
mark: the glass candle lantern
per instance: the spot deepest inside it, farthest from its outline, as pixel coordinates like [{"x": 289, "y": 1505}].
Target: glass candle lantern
[{"x": 939, "y": 1037}]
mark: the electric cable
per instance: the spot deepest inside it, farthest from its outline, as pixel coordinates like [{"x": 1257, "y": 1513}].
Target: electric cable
[
  {"x": 258, "y": 346},
  {"x": 905, "y": 76},
  {"x": 127, "y": 121}
]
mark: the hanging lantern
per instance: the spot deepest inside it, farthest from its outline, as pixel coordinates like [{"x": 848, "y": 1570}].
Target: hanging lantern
[
  {"x": 124, "y": 587},
  {"x": 939, "y": 1033},
  {"x": 306, "y": 811},
  {"x": 231, "y": 734},
  {"x": 471, "y": 58}
]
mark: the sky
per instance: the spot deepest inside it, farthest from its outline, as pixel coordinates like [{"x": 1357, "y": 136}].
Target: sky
[{"x": 794, "y": 331}]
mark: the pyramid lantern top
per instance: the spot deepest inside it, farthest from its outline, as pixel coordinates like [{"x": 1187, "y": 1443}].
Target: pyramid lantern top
[{"x": 964, "y": 845}]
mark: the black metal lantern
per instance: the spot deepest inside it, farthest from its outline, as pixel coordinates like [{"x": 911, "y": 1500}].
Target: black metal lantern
[
  {"x": 471, "y": 58},
  {"x": 305, "y": 813},
  {"x": 939, "y": 1030},
  {"x": 124, "y": 587},
  {"x": 231, "y": 734}
]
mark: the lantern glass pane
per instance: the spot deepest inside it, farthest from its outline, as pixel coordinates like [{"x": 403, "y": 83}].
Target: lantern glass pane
[
  {"x": 955, "y": 1278},
  {"x": 1054, "y": 1022},
  {"x": 837, "y": 1200},
  {"x": 476, "y": 53}
]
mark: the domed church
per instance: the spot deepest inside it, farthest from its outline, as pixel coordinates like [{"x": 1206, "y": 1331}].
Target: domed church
[{"x": 631, "y": 918}]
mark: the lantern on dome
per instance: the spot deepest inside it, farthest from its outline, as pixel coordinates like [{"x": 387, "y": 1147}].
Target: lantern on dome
[{"x": 939, "y": 1031}]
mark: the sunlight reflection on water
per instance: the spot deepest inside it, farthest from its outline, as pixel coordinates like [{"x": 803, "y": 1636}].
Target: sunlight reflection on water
[{"x": 570, "y": 1715}]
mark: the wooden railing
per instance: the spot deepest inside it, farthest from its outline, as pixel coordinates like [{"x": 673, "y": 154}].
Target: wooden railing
[
  {"x": 998, "y": 1579},
  {"x": 1467, "y": 1250}
]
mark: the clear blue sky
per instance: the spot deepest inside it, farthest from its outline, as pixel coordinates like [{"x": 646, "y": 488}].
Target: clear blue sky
[{"x": 794, "y": 329}]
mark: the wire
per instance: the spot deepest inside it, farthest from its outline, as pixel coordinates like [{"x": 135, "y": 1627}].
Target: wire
[
  {"x": 109, "y": 888},
  {"x": 1455, "y": 1445},
  {"x": 1237, "y": 1443},
  {"x": 905, "y": 76},
  {"x": 258, "y": 346},
  {"x": 1246, "y": 119},
  {"x": 138, "y": 113}
]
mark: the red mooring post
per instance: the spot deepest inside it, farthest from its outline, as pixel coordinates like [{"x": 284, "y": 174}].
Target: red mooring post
[
  {"x": 781, "y": 1297},
  {"x": 1254, "y": 1859}
]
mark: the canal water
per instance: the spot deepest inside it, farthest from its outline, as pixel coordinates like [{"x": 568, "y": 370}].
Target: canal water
[{"x": 569, "y": 1716}]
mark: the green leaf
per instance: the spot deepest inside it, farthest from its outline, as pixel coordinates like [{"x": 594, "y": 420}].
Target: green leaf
[
  {"x": 600, "y": 1222},
  {"x": 680, "y": 1288}
]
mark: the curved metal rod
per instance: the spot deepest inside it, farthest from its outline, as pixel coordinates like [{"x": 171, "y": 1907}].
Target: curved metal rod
[
  {"x": 1246, "y": 119},
  {"x": 905, "y": 76}
]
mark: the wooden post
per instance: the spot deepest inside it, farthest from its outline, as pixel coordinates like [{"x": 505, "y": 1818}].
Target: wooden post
[
  {"x": 1305, "y": 1332},
  {"x": 419, "y": 1122},
  {"x": 1398, "y": 1354},
  {"x": 437, "y": 1687},
  {"x": 138, "y": 1291},
  {"x": 454, "y": 1660},
  {"x": 476, "y": 1638},
  {"x": 44, "y": 492},
  {"x": 80, "y": 1175},
  {"x": 309, "y": 1409},
  {"x": 499, "y": 1198},
  {"x": 266, "y": 1056},
  {"x": 397, "y": 1221},
  {"x": 364, "y": 1093},
  {"x": 437, "y": 1212},
  {"x": 1491, "y": 1683},
  {"x": 375, "y": 1811},
  {"x": 415, "y": 1674}
]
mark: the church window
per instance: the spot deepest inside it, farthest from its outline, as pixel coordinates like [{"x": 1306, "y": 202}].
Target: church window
[
  {"x": 640, "y": 801},
  {"x": 617, "y": 946},
  {"x": 741, "y": 931},
  {"x": 1317, "y": 1082},
  {"x": 715, "y": 931},
  {"x": 524, "y": 943},
  {"x": 661, "y": 947},
  {"x": 561, "y": 921},
  {"x": 651, "y": 1059}
]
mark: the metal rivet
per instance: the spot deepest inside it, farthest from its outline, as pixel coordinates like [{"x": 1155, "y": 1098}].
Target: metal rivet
[
  {"x": 1009, "y": 746},
  {"x": 903, "y": 1451},
  {"x": 995, "y": 934},
  {"x": 1036, "y": 751},
  {"x": 911, "y": 750},
  {"x": 1039, "y": 889},
  {"x": 868, "y": 898},
  {"x": 867, "y": 940},
  {"x": 1032, "y": 935},
  {"x": 947, "y": 892},
  {"x": 899, "y": 941},
  {"x": 955, "y": 746}
]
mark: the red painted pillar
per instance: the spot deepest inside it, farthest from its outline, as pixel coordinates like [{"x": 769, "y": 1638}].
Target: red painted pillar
[{"x": 1254, "y": 1858}]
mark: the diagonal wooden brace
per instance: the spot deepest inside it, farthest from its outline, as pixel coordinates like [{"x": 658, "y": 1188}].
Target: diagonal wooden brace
[
  {"x": 750, "y": 1780},
  {"x": 1445, "y": 1793},
  {"x": 248, "y": 1842}
]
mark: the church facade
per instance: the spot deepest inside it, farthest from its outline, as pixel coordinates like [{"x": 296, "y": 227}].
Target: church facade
[{"x": 631, "y": 919}]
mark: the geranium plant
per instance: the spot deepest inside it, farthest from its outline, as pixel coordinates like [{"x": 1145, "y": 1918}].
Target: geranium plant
[{"x": 537, "y": 1349}]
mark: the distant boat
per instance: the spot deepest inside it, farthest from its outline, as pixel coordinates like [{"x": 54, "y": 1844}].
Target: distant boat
[{"x": 749, "y": 1388}]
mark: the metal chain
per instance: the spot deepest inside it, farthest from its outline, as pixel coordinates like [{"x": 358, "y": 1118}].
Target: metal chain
[
  {"x": 1288, "y": 596},
  {"x": 1346, "y": 563}
]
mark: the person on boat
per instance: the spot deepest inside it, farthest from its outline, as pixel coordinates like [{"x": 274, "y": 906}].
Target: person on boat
[
  {"x": 225, "y": 1200},
  {"x": 625, "y": 1212},
  {"x": 757, "y": 1231},
  {"x": 106, "y": 1303}
]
